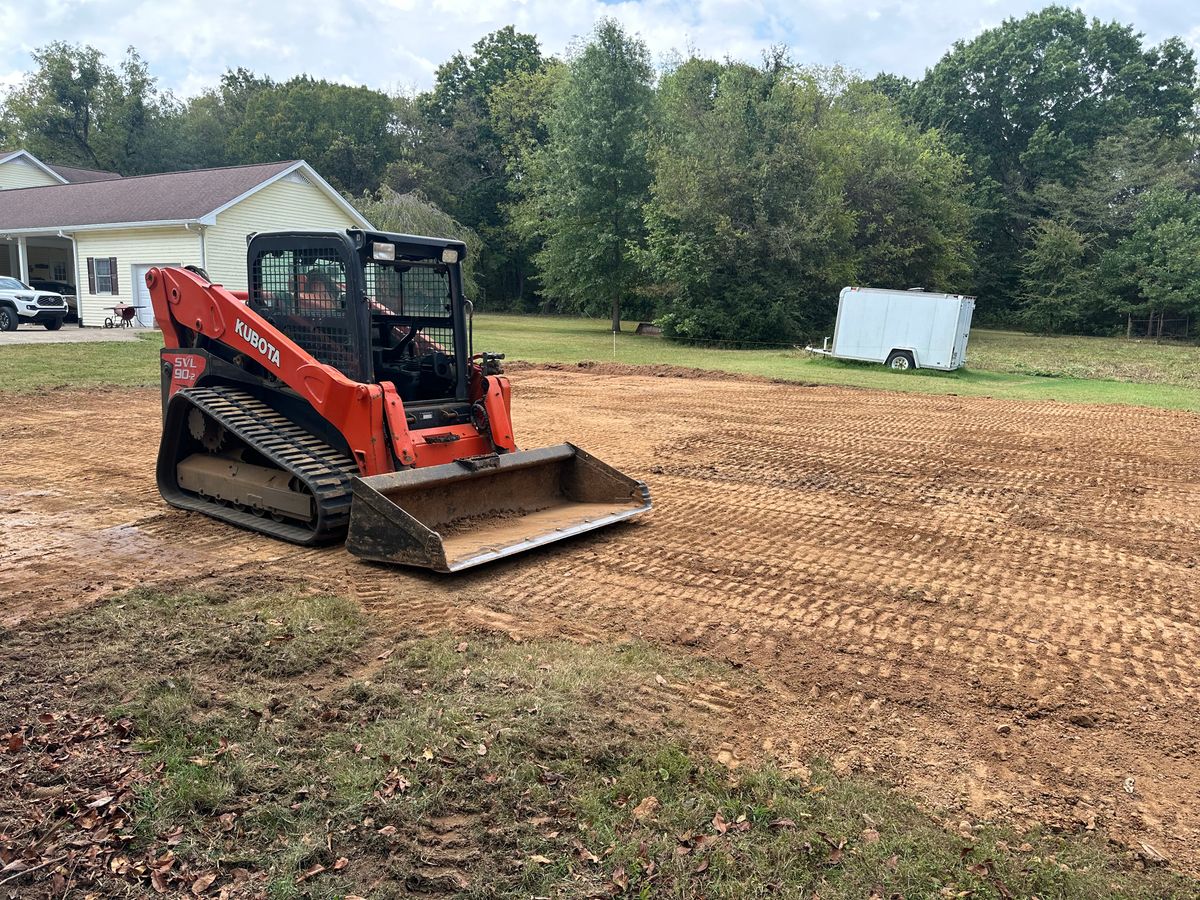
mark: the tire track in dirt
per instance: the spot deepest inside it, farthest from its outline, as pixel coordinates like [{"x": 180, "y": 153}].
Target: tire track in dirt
[{"x": 903, "y": 575}]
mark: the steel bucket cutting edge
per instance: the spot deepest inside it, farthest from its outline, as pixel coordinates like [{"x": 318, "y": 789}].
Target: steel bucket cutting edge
[{"x": 466, "y": 513}]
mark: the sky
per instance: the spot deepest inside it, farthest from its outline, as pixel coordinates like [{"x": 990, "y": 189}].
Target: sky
[{"x": 396, "y": 45}]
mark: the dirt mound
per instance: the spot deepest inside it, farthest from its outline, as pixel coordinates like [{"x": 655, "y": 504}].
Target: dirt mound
[{"x": 994, "y": 604}]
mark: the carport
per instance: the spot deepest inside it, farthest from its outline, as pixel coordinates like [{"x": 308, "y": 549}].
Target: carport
[
  {"x": 48, "y": 257},
  {"x": 39, "y": 257}
]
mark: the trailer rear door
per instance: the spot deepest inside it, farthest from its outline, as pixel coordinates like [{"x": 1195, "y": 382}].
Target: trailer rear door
[{"x": 966, "y": 309}]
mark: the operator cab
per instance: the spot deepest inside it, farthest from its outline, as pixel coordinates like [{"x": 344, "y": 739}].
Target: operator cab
[{"x": 377, "y": 306}]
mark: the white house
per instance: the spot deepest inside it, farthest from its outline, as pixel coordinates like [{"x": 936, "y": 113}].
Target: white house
[{"x": 102, "y": 232}]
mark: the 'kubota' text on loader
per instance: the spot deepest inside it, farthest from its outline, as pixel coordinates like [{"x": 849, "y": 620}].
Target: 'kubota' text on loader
[{"x": 340, "y": 397}]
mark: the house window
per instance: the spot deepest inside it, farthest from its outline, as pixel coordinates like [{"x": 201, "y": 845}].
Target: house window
[
  {"x": 102, "y": 275},
  {"x": 60, "y": 271}
]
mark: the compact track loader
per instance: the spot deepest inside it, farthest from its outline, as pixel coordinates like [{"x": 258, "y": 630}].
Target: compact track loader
[{"x": 340, "y": 397}]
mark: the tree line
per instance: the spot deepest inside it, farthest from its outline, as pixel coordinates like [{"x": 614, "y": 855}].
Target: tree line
[{"x": 1048, "y": 166}]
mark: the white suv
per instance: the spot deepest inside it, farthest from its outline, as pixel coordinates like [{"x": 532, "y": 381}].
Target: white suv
[{"x": 21, "y": 303}]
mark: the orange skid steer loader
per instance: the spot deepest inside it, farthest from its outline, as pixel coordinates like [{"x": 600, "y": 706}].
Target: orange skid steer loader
[{"x": 340, "y": 397}]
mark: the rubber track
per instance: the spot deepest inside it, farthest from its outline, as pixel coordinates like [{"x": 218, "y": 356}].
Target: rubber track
[{"x": 322, "y": 469}]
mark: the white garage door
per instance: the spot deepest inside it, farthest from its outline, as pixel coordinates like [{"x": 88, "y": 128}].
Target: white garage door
[{"x": 145, "y": 313}]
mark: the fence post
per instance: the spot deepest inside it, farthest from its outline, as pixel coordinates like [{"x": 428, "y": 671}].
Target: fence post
[{"x": 1129, "y": 325}]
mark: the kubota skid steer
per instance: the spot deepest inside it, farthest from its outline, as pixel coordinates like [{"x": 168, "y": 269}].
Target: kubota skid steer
[{"x": 340, "y": 397}]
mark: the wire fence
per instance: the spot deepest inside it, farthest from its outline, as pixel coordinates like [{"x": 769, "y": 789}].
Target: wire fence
[{"x": 1157, "y": 326}]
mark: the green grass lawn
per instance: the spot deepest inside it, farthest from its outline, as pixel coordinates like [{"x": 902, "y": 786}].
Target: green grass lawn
[
  {"x": 33, "y": 367},
  {"x": 1112, "y": 359},
  {"x": 1002, "y": 364}
]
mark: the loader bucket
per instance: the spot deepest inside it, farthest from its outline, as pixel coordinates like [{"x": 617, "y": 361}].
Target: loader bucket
[{"x": 452, "y": 517}]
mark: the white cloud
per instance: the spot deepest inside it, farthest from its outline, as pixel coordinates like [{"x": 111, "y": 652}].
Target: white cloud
[
  {"x": 398, "y": 44},
  {"x": 1193, "y": 39}
]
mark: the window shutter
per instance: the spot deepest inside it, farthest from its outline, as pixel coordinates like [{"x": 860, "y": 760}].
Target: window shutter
[
  {"x": 112, "y": 268},
  {"x": 91, "y": 275}
]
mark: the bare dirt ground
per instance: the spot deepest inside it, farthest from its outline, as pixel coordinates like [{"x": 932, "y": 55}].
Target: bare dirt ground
[{"x": 993, "y": 604}]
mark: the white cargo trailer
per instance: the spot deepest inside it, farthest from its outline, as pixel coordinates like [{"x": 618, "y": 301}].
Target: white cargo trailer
[{"x": 903, "y": 329}]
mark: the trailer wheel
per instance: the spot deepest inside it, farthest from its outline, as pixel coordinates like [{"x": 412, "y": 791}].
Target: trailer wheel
[{"x": 901, "y": 361}]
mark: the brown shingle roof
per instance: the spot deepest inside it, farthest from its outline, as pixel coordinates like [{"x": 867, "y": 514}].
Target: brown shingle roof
[
  {"x": 172, "y": 197},
  {"x": 76, "y": 175}
]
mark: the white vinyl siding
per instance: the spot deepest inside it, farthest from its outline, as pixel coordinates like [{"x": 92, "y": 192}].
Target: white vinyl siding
[
  {"x": 21, "y": 173},
  {"x": 291, "y": 203},
  {"x": 131, "y": 247}
]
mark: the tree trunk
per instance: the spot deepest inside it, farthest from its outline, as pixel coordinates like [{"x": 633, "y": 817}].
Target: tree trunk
[{"x": 616, "y": 315}]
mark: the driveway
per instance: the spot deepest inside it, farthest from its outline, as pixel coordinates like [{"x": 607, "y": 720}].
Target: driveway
[{"x": 70, "y": 334}]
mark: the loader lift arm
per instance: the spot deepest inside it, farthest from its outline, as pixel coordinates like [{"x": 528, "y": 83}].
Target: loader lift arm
[{"x": 197, "y": 309}]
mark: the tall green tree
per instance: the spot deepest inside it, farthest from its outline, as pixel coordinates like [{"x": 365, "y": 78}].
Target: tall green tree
[
  {"x": 1026, "y": 103},
  {"x": 453, "y": 150},
  {"x": 520, "y": 108},
  {"x": 75, "y": 109},
  {"x": 1156, "y": 269},
  {"x": 746, "y": 223},
  {"x": 590, "y": 182},
  {"x": 346, "y": 132},
  {"x": 494, "y": 59},
  {"x": 775, "y": 186},
  {"x": 209, "y": 121},
  {"x": 906, "y": 190},
  {"x": 1084, "y": 218},
  {"x": 1055, "y": 287}
]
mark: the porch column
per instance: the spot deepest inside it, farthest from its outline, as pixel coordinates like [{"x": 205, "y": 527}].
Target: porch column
[{"x": 22, "y": 259}]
